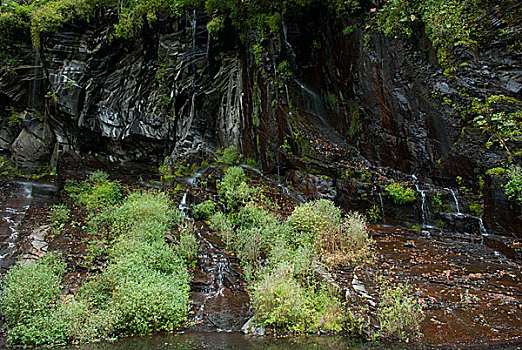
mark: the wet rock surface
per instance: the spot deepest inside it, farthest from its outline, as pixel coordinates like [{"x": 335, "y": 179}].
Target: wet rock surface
[
  {"x": 219, "y": 295},
  {"x": 471, "y": 292}
]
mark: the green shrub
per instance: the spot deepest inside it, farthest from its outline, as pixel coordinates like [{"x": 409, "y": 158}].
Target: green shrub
[
  {"x": 145, "y": 287},
  {"x": 145, "y": 214},
  {"x": 147, "y": 281},
  {"x": 496, "y": 171},
  {"x": 40, "y": 330},
  {"x": 96, "y": 192},
  {"x": 188, "y": 244},
  {"x": 446, "y": 22},
  {"x": 156, "y": 256},
  {"x": 32, "y": 289},
  {"x": 231, "y": 155},
  {"x": 59, "y": 217},
  {"x": 400, "y": 193},
  {"x": 233, "y": 190},
  {"x": 220, "y": 223},
  {"x": 84, "y": 323},
  {"x": 356, "y": 231},
  {"x": 399, "y": 312},
  {"x": 150, "y": 302},
  {"x": 300, "y": 259},
  {"x": 53, "y": 320},
  {"x": 203, "y": 211},
  {"x": 319, "y": 226},
  {"x": 29, "y": 300},
  {"x": 513, "y": 187},
  {"x": 280, "y": 301},
  {"x": 310, "y": 220}
]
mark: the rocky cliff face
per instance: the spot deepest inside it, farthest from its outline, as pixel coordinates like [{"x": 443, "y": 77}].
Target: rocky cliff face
[{"x": 341, "y": 104}]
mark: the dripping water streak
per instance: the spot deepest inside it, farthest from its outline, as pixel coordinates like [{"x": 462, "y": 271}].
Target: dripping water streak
[
  {"x": 382, "y": 205},
  {"x": 183, "y": 207},
  {"x": 315, "y": 102},
  {"x": 12, "y": 212},
  {"x": 455, "y": 199},
  {"x": 424, "y": 211},
  {"x": 35, "y": 83}
]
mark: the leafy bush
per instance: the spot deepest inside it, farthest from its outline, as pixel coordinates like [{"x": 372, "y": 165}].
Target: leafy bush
[
  {"x": 231, "y": 155},
  {"x": 356, "y": 231},
  {"x": 96, "y": 192},
  {"x": 496, "y": 171},
  {"x": 59, "y": 217},
  {"x": 150, "y": 302},
  {"x": 32, "y": 289},
  {"x": 400, "y": 194},
  {"x": 300, "y": 259},
  {"x": 319, "y": 226},
  {"x": 188, "y": 244},
  {"x": 493, "y": 118},
  {"x": 203, "y": 211},
  {"x": 446, "y": 22},
  {"x": 308, "y": 221},
  {"x": 513, "y": 187},
  {"x": 399, "y": 313},
  {"x": 148, "y": 281},
  {"x": 220, "y": 223},
  {"x": 36, "y": 313},
  {"x": 144, "y": 289},
  {"x": 280, "y": 301},
  {"x": 145, "y": 214},
  {"x": 29, "y": 299},
  {"x": 233, "y": 190}
]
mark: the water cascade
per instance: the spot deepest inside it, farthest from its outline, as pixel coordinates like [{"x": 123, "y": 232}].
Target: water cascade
[
  {"x": 12, "y": 213},
  {"x": 35, "y": 83},
  {"x": 219, "y": 294},
  {"x": 455, "y": 199},
  {"x": 424, "y": 207}
]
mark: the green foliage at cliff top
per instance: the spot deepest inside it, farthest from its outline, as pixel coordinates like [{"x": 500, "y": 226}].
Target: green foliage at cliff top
[
  {"x": 44, "y": 16},
  {"x": 449, "y": 23}
]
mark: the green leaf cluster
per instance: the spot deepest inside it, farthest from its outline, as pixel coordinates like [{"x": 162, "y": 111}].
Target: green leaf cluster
[
  {"x": 401, "y": 194},
  {"x": 144, "y": 289},
  {"x": 447, "y": 23},
  {"x": 96, "y": 192}
]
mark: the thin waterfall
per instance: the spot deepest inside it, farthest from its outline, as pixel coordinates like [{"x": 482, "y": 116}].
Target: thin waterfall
[
  {"x": 424, "y": 208},
  {"x": 382, "y": 205},
  {"x": 455, "y": 199},
  {"x": 35, "y": 83}
]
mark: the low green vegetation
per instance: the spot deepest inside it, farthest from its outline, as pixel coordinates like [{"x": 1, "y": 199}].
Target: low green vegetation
[
  {"x": 233, "y": 190},
  {"x": 446, "y": 23},
  {"x": 281, "y": 257},
  {"x": 493, "y": 118},
  {"x": 231, "y": 155},
  {"x": 59, "y": 217},
  {"x": 513, "y": 187},
  {"x": 400, "y": 193},
  {"x": 96, "y": 192},
  {"x": 399, "y": 312},
  {"x": 47, "y": 16},
  {"x": 143, "y": 288},
  {"x": 203, "y": 211}
]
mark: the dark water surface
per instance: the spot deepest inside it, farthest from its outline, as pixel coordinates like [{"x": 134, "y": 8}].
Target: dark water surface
[
  {"x": 236, "y": 340},
  {"x": 222, "y": 340}
]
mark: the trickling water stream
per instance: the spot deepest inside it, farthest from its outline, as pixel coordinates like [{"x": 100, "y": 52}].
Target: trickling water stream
[
  {"x": 12, "y": 212},
  {"x": 454, "y": 199},
  {"x": 218, "y": 291}
]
